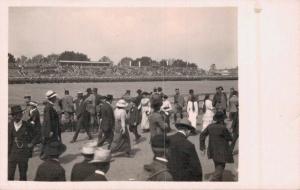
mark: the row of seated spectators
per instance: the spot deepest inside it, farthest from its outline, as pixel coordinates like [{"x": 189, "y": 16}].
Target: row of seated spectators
[{"x": 107, "y": 71}]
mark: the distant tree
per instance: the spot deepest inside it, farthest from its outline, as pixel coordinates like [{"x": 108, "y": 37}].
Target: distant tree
[
  {"x": 72, "y": 56},
  {"x": 52, "y": 58},
  {"x": 125, "y": 61},
  {"x": 145, "y": 61},
  {"x": 163, "y": 62},
  {"x": 38, "y": 59},
  {"x": 11, "y": 59},
  {"x": 105, "y": 59},
  {"x": 179, "y": 63},
  {"x": 23, "y": 59}
]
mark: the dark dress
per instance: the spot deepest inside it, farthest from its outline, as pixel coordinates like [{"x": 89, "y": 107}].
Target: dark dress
[
  {"x": 184, "y": 163},
  {"x": 50, "y": 170},
  {"x": 107, "y": 125},
  {"x": 82, "y": 170}
]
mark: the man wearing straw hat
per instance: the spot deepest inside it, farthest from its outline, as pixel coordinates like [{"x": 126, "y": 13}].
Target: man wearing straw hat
[
  {"x": 21, "y": 139},
  {"x": 83, "y": 169},
  {"x": 101, "y": 161},
  {"x": 50, "y": 169},
  {"x": 184, "y": 163}
]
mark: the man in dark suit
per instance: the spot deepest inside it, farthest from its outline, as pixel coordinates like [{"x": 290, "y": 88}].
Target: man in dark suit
[
  {"x": 21, "y": 139},
  {"x": 218, "y": 146},
  {"x": 101, "y": 161},
  {"x": 68, "y": 109},
  {"x": 50, "y": 169},
  {"x": 82, "y": 170},
  {"x": 107, "y": 125},
  {"x": 83, "y": 117},
  {"x": 184, "y": 163},
  {"x": 50, "y": 130},
  {"x": 220, "y": 100}
]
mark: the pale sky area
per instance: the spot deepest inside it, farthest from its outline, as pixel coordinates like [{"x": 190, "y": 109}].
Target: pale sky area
[{"x": 200, "y": 35}]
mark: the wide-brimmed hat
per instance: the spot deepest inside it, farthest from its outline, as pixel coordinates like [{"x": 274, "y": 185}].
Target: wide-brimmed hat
[
  {"x": 219, "y": 116},
  {"x": 27, "y": 97},
  {"x": 89, "y": 148},
  {"x": 101, "y": 155},
  {"x": 122, "y": 103},
  {"x": 50, "y": 94},
  {"x": 33, "y": 103},
  {"x": 184, "y": 123},
  {"x": 54, "y": 148},
  {"x": 15, "y": 109},
  {"x": 220, "y": 87}
]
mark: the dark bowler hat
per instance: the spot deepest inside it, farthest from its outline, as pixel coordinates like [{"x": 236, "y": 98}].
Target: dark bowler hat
[
  {"x": 109, "y": 97},
  {"x": 139, "y": 91},
  {"x": 160, "y": 141},
  {"x": 184, "y": 123},
  {"x": 27, "y": 97},
  {"x": 159, "y": 89},
  {"x": 88, "y": 90},
  {"x": 16, "y": 109},
  {"x": 54, "y": 148},
  {"x": 219, "y": 116},
  {"x": 220, "y": 88}
]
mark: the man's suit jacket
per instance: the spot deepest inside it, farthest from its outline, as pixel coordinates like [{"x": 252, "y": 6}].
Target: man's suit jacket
[
  {"x": 18, "y": 141},
  {"x": 108, "y": 117},
  {"x": 218, "y": 147},
  {"x": 67, "y": 104},
  {"x": 96, "y": 177},
  {"x": 50, "y": 170},
  {"x": 81, "y": 109},
  {"x": 51, "y": 124},
  {"x": 82, "y": 170},
  {"x": 184, "y": 164}
]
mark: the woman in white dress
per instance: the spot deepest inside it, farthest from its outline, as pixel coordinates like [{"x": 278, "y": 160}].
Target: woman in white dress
[
  {"x": 145, "y": 107},
  {"x": 208, "y": 111},
  {"x": 192, "y": 110}
]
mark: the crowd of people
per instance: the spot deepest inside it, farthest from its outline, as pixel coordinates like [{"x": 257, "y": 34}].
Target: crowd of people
[{"x": 175, "y": 157}]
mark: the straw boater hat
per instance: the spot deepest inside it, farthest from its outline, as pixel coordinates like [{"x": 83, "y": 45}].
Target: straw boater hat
[
  {"x": 50, "y": 94},
  {"x": 89, "y": 148},
  {"x": 101, "y": 155},
  {"x": 15, "y": 109},
  {"x": 54, "y": 148},
  {"x": 122, "y": 104},
  {"x": 184, "y": 123}
]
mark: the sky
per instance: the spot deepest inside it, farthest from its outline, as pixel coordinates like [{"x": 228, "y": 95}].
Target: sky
[{"x": 201, "y": 35}]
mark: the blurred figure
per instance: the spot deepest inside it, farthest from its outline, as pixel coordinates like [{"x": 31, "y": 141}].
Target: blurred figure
[
  {"x": 218, "y": 145},
  {"x": 208, "y": 112},
  {"x": 178, "y": 105},
  {"x": 101, "y": 163},
  {"x": 159, "y": 170},
  {"x": 192, "y": 110},
  {"x": 83, "y": 116},
  {"x": 34, "y": 117},
  {"x": 220, "y": 100},
  {"x": 26, "y": 112},
  {"x": 184, "y": 163},
  {"x": 134, "y": 119},
  {"x": 106, "y": 133},
  {"x": 156, "y": 119},
  {"x": 88, "y": 93},
  {"x": 166, "y": 109},
  {"x": 82, "y": 170},
  {"x": 21, "y": 140},
  {"x": 145, "y": 104},
  {"x": 50, "y": 169},
  {"x": 68, "y": 109},
  {"x": 233, "y": 105},
  {"x": 121, "y": 143},
  {"x": 160, "y": 92}
]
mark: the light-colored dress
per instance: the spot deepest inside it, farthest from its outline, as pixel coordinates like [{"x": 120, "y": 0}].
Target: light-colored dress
[
  {"x": 192, "y": 112},
  {"x": 208, "y": 115},
  {"x": 145, "y": 103},
  {"x": 121, "y": 142}
]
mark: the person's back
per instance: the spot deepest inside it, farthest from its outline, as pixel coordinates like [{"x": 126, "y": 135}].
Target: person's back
[
  {"x": 107, "y": 116},
  {"x": 184, "y": 163},
  {"x": 67, "y": 103},
  {"x": 157, "y": 124},
  {"x": 82, "y": 170},
  {"x": 160, "y": 172},
  {"x": 50, "y": 170}
]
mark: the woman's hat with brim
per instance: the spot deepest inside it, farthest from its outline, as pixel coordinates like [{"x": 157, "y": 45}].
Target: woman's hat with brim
[
  {"x": 101, "y": 155},
  {"x": 54, "y": 148},
  {"x": 184, "y": 123},
  {"x": 122, "y": 104},
  {"x": 16, "y": 109},
  {"x": 50, "y": 94},
  {"x": 219, "y": 116}
]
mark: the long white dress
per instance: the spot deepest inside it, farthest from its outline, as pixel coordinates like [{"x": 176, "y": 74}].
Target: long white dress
[
  {"x": 145, "y": 103},
  {"x": 208, "y": 115},
  {"x": 192, "y": 113}
]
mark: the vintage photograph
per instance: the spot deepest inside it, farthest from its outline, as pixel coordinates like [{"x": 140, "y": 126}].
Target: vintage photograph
[{"x": 123, "y": 94}]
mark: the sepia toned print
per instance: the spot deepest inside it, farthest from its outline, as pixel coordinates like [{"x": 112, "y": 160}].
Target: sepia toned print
[{"x": 123, "y": 94}]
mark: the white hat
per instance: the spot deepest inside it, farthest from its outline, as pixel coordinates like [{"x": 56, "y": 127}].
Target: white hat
[
  {"x": 89, "y": 147},
  {"x": 101, "y": 155},
  {"x": 122, "y": 103},
  {"x": 33, "y": 103},
  {"x": 50, "y": 94}
]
